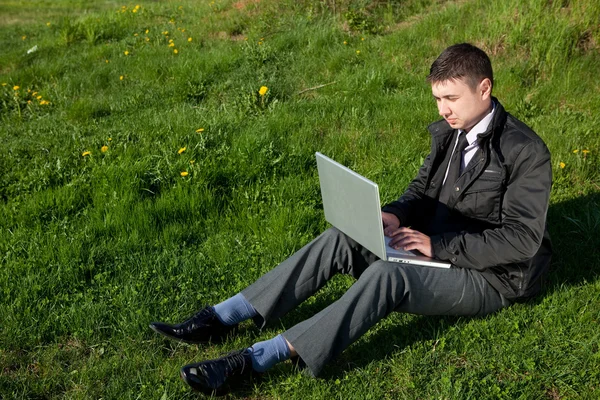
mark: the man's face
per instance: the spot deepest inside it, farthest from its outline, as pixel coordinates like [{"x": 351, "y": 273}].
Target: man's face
[{"x": 461, "y": 106}]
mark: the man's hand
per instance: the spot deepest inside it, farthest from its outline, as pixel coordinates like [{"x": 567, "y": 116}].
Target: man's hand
[
  {"x": 409, "y": 239},
  {"x": 390, "y": 223}
]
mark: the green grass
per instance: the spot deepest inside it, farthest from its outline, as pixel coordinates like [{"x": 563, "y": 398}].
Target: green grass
[{"x": 95, "y": 247}]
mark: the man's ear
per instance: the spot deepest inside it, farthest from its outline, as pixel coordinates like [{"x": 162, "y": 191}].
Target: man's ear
[{"x": 485, "y": 88}]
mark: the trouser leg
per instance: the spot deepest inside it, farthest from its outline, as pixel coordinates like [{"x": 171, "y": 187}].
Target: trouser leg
[
  {"x": 385, "y": 287},
  {"x": 305, "y": 272}
]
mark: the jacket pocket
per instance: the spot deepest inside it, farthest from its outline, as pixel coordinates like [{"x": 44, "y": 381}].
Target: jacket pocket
[{"x": 482, "y": 199}]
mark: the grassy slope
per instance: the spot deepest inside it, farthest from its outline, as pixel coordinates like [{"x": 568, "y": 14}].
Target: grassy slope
[{"x": 95, "y": 247}]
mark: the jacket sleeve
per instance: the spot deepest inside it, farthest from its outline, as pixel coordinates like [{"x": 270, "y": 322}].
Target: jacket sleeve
[
  {"x": 524, "y": 209},
  {"x": 413, "y": 202}
]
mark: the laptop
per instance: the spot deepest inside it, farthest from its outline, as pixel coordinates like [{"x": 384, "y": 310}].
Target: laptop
[{"x": 351, "y": 204}]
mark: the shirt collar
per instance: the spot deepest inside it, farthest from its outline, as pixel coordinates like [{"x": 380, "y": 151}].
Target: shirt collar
[{"x": 480, "y": 127}]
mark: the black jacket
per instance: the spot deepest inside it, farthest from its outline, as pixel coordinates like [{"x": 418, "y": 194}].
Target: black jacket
[{"x": 496, "y": 222}]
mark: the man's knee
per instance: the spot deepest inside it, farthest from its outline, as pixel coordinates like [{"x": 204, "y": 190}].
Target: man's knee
[
  {"x": 334, "y": 234},
  {"x": 383, "y": 270},
  {"x": 335, "y": 237}
]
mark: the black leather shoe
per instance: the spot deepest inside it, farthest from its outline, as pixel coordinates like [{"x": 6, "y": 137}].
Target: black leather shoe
[
  {"x": 219, "y": 376},
  {"x": 201, "y": 328}
]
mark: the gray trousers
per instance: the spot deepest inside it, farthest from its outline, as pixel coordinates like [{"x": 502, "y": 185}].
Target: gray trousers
[{"x": 381, "y": 287}]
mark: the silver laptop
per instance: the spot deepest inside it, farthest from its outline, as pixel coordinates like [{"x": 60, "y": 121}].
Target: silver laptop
[{"x": 351, "y": 204}]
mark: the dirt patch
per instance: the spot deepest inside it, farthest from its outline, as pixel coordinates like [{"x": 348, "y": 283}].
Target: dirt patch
[
  {"x": 238, "y": 38},
  {"x": 586, "y": 42},
  {"x": 242, "y": 4},
  {"x": 222, "y": 35},
  {"x": 492, "y": 49},
  {"x": 553, "y": 394}
]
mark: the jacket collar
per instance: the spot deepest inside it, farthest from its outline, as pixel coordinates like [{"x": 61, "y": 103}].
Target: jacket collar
[{"x": 498, "y": 120}]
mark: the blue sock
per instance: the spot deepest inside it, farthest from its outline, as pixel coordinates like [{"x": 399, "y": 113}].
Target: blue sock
[
  {"x": 234, "y": 310},
  {"x": 268, "y": 353}
]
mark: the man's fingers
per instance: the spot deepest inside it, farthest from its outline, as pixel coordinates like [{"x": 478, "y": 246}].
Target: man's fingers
[
  {"x": 406, "y": 238},
  {"x": 391, "y": 232},
  {"x": 409, "y": 239},
  {"x": 403, "y": 241}
]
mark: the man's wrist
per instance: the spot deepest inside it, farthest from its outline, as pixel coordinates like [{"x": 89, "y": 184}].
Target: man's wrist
[
  {"x": 392, "y": 210},
  {"x": 443, "y": 249}
]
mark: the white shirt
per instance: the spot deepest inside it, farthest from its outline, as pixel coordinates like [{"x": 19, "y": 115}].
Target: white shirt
[{"x": 472, "y": 146}]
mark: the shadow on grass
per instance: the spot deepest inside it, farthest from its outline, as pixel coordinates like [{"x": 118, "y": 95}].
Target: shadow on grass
[{"x": 575, "y": 231}]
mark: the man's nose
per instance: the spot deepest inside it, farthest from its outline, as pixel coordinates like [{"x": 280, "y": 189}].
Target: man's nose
[{"x": 443, "y": 108}]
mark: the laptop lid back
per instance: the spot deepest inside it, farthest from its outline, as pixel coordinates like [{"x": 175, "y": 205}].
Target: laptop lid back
[{"x": 351, "y": 204}]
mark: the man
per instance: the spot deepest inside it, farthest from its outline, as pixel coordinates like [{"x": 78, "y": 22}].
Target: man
[{"x": 478, "y": 201}]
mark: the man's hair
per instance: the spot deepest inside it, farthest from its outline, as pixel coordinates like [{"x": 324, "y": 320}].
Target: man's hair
[{"x": 462, "y": 61}]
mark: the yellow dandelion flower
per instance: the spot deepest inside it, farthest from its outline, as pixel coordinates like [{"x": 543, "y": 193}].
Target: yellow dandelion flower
[
  {"x": 104, "y": 149},
  {"x": 575, "y": 151},
  {"x": 183, "y": 30},
  {"x": 263, "y": 90},
  {"x": 171, "y": 44},
  {"x": 23, "y": 37},
  {"x": 562, "y": 165},
  {"x": 184, "y": 173},
  {"x": 138, "y": 6},
  {"x": 200, "y": 130},
  {"x": 44, "y": 102},
  {"x": 189, "y": 39},
  {"x": 34, "y": 93},
  {"x": 585, "y": 152},
  {"x": 126, "y": 52},
  {"x": 135, "y": 34},
  {"x": 16, "y": 87},
  {"x": 38, "y": 97},
  {"x": 175, "y": 51},
  {"x": 181, "y": 150},
  {"x": 134, "y": 10},
  {"x": 86, "y": 153},
  {"x": 147, "y": 30},
  {"x": 48, "y": 24},
  {"x": 357, "y": 52},
  {"x": 4, "y": 83},
  {"x": 362, "y": 38},
  {"x": 165, "y": 33},
  {"x": 345, "y": 42},
  {"x": 28, "y": 101},
  {"x": 121, "y": 77},
  {"x": 110, "y": 139},
  {"x": 260, "y": 43},
  {"x": 171, "y": 41}
]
